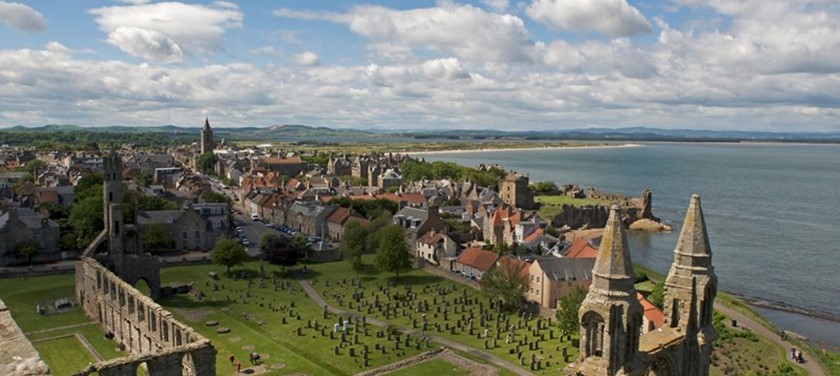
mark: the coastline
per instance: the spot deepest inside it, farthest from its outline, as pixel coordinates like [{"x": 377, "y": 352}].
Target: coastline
[{"x": 487, "y": 150}]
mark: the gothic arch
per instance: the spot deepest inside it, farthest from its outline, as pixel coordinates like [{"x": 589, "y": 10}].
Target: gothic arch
[
  {"x": 187, "y": 365},
  {"x": 593, "y": 326},
  {"x": 661, "y": 366}
]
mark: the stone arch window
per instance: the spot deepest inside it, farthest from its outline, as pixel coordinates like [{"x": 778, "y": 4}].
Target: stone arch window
[
  {"x": 593, "y": 331},
  {"x": 634, "y": 328},
  {"x": 187, "y": 365},
  {"x": 675, "y": 313},
  {"x": 142, "y": 369}
]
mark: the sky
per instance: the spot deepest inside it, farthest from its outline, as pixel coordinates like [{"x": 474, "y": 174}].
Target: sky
[{"x": 414, "y": 64}]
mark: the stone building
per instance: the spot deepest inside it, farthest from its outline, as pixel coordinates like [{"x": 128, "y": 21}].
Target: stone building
[
  {"x": 551, "y": 278},
  {"x": 417, "y": 222},
  {"x": 19, "y": 225},
  {"x": 197, "y": 226},
  {"x": 611, "y": 317},
  {"x": 207, "y": 138},
  {"x": 515, "y": 191}
]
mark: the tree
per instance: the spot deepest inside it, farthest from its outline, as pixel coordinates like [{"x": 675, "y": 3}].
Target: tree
[
  {"x": 544, "y": 187},
  {"x": 656, "y": 296},
  {"x": 392, "y": 254},
  {"x": 86, "y": 218},
  {"x": 506, "y": 282},
  {"x": 567, "y": 314},
  {"x": 228, "y": 252},
  {"x": 26, "y": 250},
  {"x": 354, "y": 243},
  {"x": 156, "y": 239},
  {"x": 278, "y": 250},
  {"x": 206, "y": 163},
  {"x": 33, "y": 166}
]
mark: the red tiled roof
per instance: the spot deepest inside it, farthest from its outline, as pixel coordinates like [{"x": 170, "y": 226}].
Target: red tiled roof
[
  {"x": 407, "y": 197},
  {"x": 524, "y": 267},
  {"x": 431, "y": 238},
  {"x": 534, "y": 235},
  {"x": 275, "y": 160},
  {"x": 651, "y": 312},
  {"x": 580, "y": 248},
  {"x": 478, "y": 258},
  {"x": 339, "y": 215}
]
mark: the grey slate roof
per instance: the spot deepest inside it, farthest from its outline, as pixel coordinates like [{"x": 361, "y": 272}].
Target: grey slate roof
[{"x": 567, "y": 269}]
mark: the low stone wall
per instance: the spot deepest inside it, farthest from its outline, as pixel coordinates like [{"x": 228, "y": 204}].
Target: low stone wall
[
  {"x": 17, "y": 355},
  {"x": 402, "y": 363}
]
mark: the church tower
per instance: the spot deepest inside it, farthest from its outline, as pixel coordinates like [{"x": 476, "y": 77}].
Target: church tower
[
  {"x": 610, "y": 316},
  {"x": 113, "y": 197},
  {"x": 206, "y": 137},
  {"x": 690, "y": 290}
]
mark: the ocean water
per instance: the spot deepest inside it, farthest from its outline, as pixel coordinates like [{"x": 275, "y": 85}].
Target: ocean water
[{"x": 772, "y": 210}]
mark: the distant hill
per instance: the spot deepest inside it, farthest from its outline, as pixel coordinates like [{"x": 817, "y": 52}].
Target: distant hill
[{"x": 297, "y": 132}]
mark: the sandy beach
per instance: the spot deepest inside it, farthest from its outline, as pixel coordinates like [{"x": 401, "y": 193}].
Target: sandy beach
[{"x": 487, "y": 150}]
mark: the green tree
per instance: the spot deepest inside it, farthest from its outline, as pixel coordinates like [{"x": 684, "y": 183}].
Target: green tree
[
  {"x": 26, "y": 250},
  {"x": 354, "y": 243},
  {"x": 278, "y": 250},
  {"x": 206, "y": 163},
  {"x": 567, "y": 312},
  {"x": 657, "y": 295},
  {"x": 374, "y": 229},
  {"x": 86, "y": 218},
  {"x": 392, "y": 254},
  {"x": 156, "y": 239},
  {"x": 544, "y": 187},
  {"x": 228, "y": 252},
  {"x": 88, "y": 185},
  {"x": 33, "y": 166},
  {"x": 506, "y": 282}
]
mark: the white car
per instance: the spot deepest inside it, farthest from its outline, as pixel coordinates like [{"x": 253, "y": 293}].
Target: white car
[{"x": 255, "y": 217}]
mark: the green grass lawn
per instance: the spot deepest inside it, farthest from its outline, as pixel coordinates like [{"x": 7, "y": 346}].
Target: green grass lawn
[
  {"x": 21, "y": 296},
  {"x": 65, "y": 355},
  {"x": 257, "y": 324},
  {"x": 436, "y": 367},
  {"x": 425, "y": 286}
]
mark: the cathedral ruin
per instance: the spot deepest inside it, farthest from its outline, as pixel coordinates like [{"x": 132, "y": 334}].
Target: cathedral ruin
[
  {"x": 611, "y": 342},
  {"x": 105, "y": 278}
]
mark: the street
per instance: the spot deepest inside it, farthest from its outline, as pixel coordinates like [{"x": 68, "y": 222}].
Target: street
[{"x": 254, "y": 231}]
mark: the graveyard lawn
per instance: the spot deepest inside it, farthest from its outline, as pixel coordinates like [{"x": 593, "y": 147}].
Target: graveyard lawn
[
  {"x": 430, "y": 367},
  {"x": 266, "y": 320},
  {"x": 64, "y": 355},
  {"x": 450, "y": 305}
]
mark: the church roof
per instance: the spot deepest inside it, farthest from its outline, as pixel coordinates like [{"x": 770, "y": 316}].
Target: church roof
[
  {"x": 613, "y": 259},
  {"x": 694, "y": 240}
]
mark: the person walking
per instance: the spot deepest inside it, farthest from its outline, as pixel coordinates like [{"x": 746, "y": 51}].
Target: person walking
[
  {"x": 238, "y": 366},
  {"x": 232, "y": 358}
]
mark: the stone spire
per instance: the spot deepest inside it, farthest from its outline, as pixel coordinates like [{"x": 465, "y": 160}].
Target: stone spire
[
  {"x": 613, "y": 269},
  {"x": 207, "y": 123},
  {"x": 691, "y": 285},
  {"x": 610, "y": 315}
]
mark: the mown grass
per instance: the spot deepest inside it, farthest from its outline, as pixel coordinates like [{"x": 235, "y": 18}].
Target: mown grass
[
  {"x": 559, "y": 200},
  {"x": 372, "y": 280},
  {"x": 259, "y": 323},
  {"x": 355, "y": 148},
  {"x": 430, "y": 367},
  {"x": 64, "y": 355}
]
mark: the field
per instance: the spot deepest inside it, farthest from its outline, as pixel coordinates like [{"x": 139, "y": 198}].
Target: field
[
  {"x": 559, "y": 200},
  {"x": 355, "y": 148},
  {"x": 430, "y": 367}
]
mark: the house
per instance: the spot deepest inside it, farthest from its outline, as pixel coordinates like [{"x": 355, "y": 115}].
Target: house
[
  {"x": 290, "y": 166},
  {"x": 390, "y": 178},
  {"x": 474, "y": 262},
  {"x": 339, "y": 219},
  {"x": 581, "y": 248},
  {"x": 195, "y": 227},
  {"x": 434, "y": 247},
  {"x": 551, "y": 278},
  {"x": 19, "y": 225},
  {"x": 417, "y": 222},
  {"x": 62, "y": 195},
  {"x": 309, "y": 217},
  {"x": 652, "y": 317}
]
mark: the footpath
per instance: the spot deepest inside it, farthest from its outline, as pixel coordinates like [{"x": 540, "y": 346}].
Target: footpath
[
  {"x": 810, "y": 365},
  {"x": 315, "y": 296}
]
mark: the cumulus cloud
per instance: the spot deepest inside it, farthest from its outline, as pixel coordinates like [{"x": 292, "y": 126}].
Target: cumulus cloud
[
  {"x": 461, "y": 30},
  {"x": 168, "y": 31},
  {"x": 307, "y": 58},
  {"x": 498, "y": 5},
  {"x": 22, "y": 17},
  {"x": 615, "y": 18}
]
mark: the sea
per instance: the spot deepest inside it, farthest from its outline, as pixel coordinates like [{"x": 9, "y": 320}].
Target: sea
[{"x": 772, "y": 212}]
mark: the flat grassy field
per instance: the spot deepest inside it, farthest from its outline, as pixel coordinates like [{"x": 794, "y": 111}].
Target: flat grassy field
[
  {"x": 355, "y": 148},
  {"x": 565, "y": 200},
  {"x": 450, "y": 305},
  {"x": 64, "y": 355},
  {"x": 430, "y": 367},
  {"x": 268, "y": 321}
]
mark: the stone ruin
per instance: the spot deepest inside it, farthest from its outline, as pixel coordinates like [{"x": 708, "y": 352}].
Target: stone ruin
[{"x": 105, "y": 277}]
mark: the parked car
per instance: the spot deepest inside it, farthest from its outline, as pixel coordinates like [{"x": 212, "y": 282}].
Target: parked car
[{"x": 255, "y": 217}]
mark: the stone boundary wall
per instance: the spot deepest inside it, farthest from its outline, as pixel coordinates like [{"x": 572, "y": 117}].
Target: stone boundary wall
[
  {"x": 17, "y": 355},
  {"x": 448, "y": 275},
  {"x": 145, "y": 329},
  {"x": 40, "y": 271},
  {"x": 402, "y": 363}
]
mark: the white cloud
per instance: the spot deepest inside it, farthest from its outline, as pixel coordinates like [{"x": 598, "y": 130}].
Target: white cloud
[
  {"x": 464, "y": 30},
  {"x": 615, "y": 18},
  {"x": 22, "y": 17},
  {"x": 497, "y": 5},
  {"x": 307, "y": 58},
  {"x": 266, "y": 50},
  {"x": 168, "y": 31}
]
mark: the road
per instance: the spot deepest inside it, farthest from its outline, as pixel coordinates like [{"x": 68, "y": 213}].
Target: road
[{"x": 254, "y": 231}]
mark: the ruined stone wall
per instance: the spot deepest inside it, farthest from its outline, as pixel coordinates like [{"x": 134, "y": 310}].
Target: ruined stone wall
[
  {"x": 147, "y": 331},
  {"x": 17, "y": 355}
]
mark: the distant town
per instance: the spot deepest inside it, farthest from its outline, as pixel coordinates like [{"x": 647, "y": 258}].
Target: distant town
[{"x": 533, "y": 275}]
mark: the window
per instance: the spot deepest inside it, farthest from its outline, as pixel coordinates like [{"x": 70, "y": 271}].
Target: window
[{"x": 184, "y": 235}]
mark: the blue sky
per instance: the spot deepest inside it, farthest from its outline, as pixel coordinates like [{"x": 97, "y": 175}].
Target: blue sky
[{"x": 531, "y": 64}]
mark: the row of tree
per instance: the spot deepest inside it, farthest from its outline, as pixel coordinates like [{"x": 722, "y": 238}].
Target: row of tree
[{"x": 415, "y": 170}]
